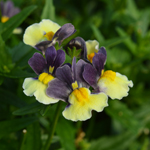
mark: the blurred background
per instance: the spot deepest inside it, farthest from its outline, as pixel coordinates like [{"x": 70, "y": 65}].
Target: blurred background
[{"x": 123, "y": 27}]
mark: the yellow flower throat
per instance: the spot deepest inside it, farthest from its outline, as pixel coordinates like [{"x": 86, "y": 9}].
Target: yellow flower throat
[
  {"x": 45, "y": 78},
  {"x": 49, "y": 35}
]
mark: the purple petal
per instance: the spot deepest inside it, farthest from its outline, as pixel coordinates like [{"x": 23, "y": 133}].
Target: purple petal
[
  {"x": 14, "y": 11},
  {"x": 74, "y": 68},
  {"x": 9, "y": 6},
  {"x": 90, "y": 75},
  {"x": 64, "y": 74},
  {"x": 79, "y": 71},
  {"x": 50, "y": 55},
  {"x": 79, "y": 43},
  {"x": 2, "y": 8},
  {"x": 59, "y": 60},
  {"x": 103, "y": 51},
  {"x": 37, "y": 63},
  {"x": 98, "y": 62},
  {"x": 58, "y": 89},
  {"x": 42, "y": 46},
  {"x": 64, "y": 32}
]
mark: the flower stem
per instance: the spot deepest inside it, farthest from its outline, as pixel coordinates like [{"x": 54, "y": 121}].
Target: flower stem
[{"x": 54, "y": 123}]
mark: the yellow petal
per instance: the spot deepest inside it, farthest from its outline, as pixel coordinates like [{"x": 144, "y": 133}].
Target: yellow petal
[
  {"x": 48, "y": 25},
  {"x": 92, "y": 46},
  {"x": 114, "y": 84},
  {"x": 82, "y": 102},
  {"x": 33, "y": 35},
  {"x": 38, "y": 89}
]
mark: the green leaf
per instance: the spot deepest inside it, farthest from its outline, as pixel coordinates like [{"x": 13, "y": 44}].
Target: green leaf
[
  {"x": 29, "y": 109},
  {"x": 18, "y": 73},
  {"x": 128, "y": 42},
  {"x": 48, "y": 11},
  {"x": 113, "y": 42},
  {"x": 10, "y": 98},
  {"x": 9, "y": 126},
  {"x": 119, "y": 142},
  {"x": 66, "y": 134},
  {"x": 97, "y": 33},
  {"x": 15, "y": 21},
  {"x": 32, "y": 138},
  {"x": 120, "y": 112}
]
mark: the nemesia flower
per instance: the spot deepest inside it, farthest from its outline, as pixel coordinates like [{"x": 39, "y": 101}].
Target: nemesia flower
[
  {"x": 8, "y": 10},
  {"x": 79, "y": 44},
  {"x": 47, "y": 33},
  {"x": 45, "y": 68},
  {"x": 92, "y": 48},
  {"x": 70, "y": 87},
  {"x": 112, "y": 83}
]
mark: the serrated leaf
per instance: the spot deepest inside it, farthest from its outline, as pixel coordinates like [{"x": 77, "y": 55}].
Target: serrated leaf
[
  {"x": 48, "y": 11},
  {"x": 15, "y": 21},
  {"x": 9, "y": 126},
  {"x": 29, "y": 109}
]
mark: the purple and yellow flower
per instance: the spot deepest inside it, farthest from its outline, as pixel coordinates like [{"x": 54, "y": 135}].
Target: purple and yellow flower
[
  {"x": 115, "y": 85},
  {"x": 8, "y": 10},
  {"x": 45, "y": 68},
  {"x": 70, "y": 87},
  {"x": 47, "y": 33}
]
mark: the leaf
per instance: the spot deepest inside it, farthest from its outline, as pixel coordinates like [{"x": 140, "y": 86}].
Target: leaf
[
  {"x": 15, "y": 21},
  {"x": 113, "y": 42},
  {"x": 66, "y": 134},
  {"x": 119, "y": 142},
  {"x": 18, "y": 73},
  {"x": 48, "y": 11},
  {"x": 9, "y": 126},
  {"x": 97, "y": 33},
  {"x": 120, "y": 112},
  {"x": 29, "y": 109},
  {"x": 128, "y": 42},
  {"x": 32, "y": 138},
  {"x": 10, "y": 98}
]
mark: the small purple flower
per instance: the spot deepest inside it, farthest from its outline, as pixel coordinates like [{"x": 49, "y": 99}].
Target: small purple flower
[
  {"x": 70, "y": 86},
  {"x": 8, "y": 10},
  {"x": 45, "y": 68},
  {"x": 112, "y": 83}
]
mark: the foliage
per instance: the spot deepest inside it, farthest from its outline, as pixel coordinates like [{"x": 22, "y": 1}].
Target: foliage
[{"x": 123, "y": 27}]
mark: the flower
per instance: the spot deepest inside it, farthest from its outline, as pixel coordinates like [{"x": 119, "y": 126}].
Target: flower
[
  {"x": 112, "y": 83},
  {"x": 8, "y": 10},
  {"x": 47, "y": 33},
  {"x": 70, "y": 86},
  {"x": 45, "y": 69},
  {"x": 80, "y": 48}
]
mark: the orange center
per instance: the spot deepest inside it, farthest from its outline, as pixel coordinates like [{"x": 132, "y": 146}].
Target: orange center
[
  {"x": 109, "y": 75},
  {"x": 90, "y": 57},
  {"x": 49, "y": 35}
]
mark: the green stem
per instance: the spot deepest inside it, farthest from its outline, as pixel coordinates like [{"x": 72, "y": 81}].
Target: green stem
[{"x": 54, "y": 123}]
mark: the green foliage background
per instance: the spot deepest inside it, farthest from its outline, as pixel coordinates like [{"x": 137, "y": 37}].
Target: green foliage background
[{"x": 123, "y": 27}]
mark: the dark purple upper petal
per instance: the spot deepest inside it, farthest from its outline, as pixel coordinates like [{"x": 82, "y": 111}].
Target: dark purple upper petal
[
  {"x": 2, "y": 8},
  {"x": 90, "y": 75},
  {"x": 103, "y": 51},
  {"x": 42, "y": 46},
  {"x": 79, "y": 71},
  {"x": 59, "y": 60},
  {"x": 58, "y": 89},
  {"x": 98, "y": 62},
  {"x": 13, "y": 12},
  {"x": 64, "y": 74},
  {"x": 74, "y": 68},
  {"x": 64, "y": 32},
  {"x": 50, "y": 55},
  {"x": 37, "y": 63}
]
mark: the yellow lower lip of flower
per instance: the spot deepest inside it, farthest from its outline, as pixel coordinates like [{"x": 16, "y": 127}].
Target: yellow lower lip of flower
[
  {"x": 90, "y": 57},
  {"x": 4, "y": 19},
  {"x": 49, "y": 35},
  {"x": 45, "y": 78},
  {"x": 109, "y": 74},
  {"x": 81, "y": 95}
]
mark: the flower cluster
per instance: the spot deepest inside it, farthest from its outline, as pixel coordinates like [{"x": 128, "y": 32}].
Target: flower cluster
[{"x": 83, "y": 84}]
